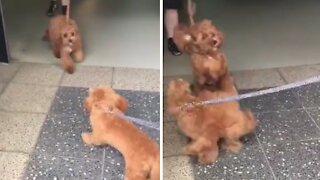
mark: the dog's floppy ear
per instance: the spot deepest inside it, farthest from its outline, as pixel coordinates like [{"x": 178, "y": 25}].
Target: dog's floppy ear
[
  {"x": 122, "y": 104},
  {"x": 181, "y": 37}
]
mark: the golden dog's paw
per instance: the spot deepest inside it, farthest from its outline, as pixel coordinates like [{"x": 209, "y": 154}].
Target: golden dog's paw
[
  {"x": 86, "y": 137},
  {"x": 234, "y": 147},
  {"x": 78, "y": 56}
]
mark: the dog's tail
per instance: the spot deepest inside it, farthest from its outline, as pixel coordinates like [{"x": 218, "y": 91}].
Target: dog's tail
[
  {"x": 67, "y": 63},
  {"x": 155, "y": 170},
  {"x": 251, "y": 121}
]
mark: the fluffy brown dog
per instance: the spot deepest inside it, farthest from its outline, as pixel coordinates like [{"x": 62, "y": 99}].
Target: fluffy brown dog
[
  {"x": 65, "y": 40},
  {"x": 203, "y": 41},
  {"x": 141, "y": 154},
  {"x": 206, "y": 125}
]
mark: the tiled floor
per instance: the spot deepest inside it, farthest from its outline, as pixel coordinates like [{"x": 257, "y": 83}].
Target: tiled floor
[
  {"x": 284, "y": 146},
  {"x": 42, "y": 118}
]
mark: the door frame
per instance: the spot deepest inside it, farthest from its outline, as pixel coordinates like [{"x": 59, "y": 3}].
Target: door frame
[{"x": 4, "y": 50}]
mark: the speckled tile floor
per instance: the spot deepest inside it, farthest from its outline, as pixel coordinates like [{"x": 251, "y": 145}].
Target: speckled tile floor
[
  {"x": 60, "y": 151},
  {"x": 41, "y": 119},
  {"x": 285, "y": 145}
]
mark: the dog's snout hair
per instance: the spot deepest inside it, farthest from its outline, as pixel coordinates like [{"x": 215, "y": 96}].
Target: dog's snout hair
[{"x": 211, "y": 78}]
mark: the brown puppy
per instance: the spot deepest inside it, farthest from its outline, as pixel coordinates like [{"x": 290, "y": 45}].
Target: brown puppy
[
  {"x": 189, "y": 121},
  {"x": 206, "y": 125},
  {"x": 141, "y": 154},
  {"x": 65, "y": 40},
  {"x": 203, "y": 41}
]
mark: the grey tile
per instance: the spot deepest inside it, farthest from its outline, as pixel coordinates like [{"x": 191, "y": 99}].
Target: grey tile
[
  {"x": 8, "y": 71},
  {"x": 282, "y": 100},
  {"x": 27, "y": 98},
  {"x": 309, "y": 95},
  {"x": 69, "y": 101},
  {"x": 12, "y": 165},
  {"x": 61, "y": 136},
  {"x": 44, "y": 74},
  {"x": 87, "y": 76},
  {"x": 250, "y": 163},
  {"x": 53, "y": 167},
  {"x": 296, "y": 160},
  {"x": 136, "y": 79},
  {"x": 298, "y": 73},
  {"x": 143, "y": 104},
  {"x": 314, "y": 114},
  {"x": 113, "y": 165},
  {"x": 293, "y": 125},
  {"x": 19, "y": 131},
  {"x": 257, "y": 78}
]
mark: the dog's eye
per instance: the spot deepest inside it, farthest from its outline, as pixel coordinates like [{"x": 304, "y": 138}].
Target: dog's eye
[
  {"x": 65, "y": 35},
  {"x": 72, "y": 34}
]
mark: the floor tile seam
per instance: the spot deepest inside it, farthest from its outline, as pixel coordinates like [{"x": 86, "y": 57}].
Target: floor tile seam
[
  {"x": 266, "y": 158},
  {"x": 16, "y": 151},
  {"x": 22, "y": 112},
  {"x": 181, "y": 153},
  {"x": 305, "y": 110},
  {"x": 290, "y": 142},
  {"x": 35, "y": 84},
  {"x": 39, "y": 153},
  {"x": 10, "y": 80},
  {"x": 61, "y": 78},
  {"x": 4, "y": 87},
  {"x": 103, "y": 163}
]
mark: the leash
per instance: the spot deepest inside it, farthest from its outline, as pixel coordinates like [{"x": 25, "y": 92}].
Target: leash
[
  {"x": 68, "y": 12},
  {"x": 137, "y": 120},
  {"x": 307, "y": 81},
  {"x": 191, "y": 11}
]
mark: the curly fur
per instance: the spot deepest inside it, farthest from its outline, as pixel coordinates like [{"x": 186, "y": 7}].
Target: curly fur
[
  {"x": 203, "y": 41},
  {"x": 206, "y": 125},
  {"x": 141, "y": 153},
  {"x": 65, "y": 40}
]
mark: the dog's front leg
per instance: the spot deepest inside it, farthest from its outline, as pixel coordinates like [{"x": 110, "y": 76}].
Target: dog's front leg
[
  {"x": 90, "y": 139},
  {"x": 78, "y": 55},
  {"x": 56, "y": 50}
]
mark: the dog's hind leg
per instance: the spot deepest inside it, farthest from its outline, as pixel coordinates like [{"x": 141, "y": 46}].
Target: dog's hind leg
[
  {"x": 90, "y": 139},
  {"x": 135, "y": 173},
  {"x": 56, "y": 51}
]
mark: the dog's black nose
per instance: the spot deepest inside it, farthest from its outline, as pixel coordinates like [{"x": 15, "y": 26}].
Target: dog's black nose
[
  {"x": 70, "y": 40},
  {"x": 214, "y": 42}
]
